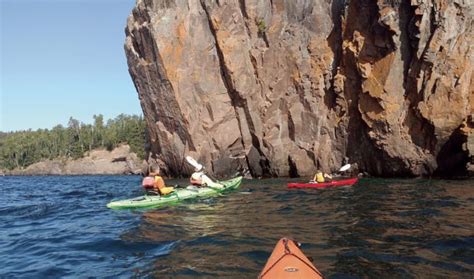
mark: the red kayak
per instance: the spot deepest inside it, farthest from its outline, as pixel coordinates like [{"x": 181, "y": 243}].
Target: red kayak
[{"x": 343, "y": 182}]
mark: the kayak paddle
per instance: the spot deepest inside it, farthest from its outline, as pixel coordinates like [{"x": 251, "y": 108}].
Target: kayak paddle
[
  {"x": 345, "y": 167},
  {"x": 199, "y": 167},
  {"x": 194, "y": 163}
]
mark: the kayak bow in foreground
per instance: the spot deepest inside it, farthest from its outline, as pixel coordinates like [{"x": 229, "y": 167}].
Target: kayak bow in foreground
[
  {"x": 287, "y": 261},
  {"x": 344, "y": 182},
  {"x": 175, "y": 197}
]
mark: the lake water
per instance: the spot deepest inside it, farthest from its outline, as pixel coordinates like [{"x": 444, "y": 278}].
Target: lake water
[{"x": 54, "y": 227}]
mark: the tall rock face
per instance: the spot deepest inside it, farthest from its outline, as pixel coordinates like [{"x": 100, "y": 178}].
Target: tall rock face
[{"x": 285, "y": 87}]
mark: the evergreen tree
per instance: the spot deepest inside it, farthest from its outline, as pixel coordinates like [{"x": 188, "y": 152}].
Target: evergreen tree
[{"x": 22, "y": 148}]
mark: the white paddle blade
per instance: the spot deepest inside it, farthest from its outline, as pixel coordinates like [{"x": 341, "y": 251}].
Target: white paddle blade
[
  {"x": 193, "y": 162},
  {"x": 345, "y": 167}
]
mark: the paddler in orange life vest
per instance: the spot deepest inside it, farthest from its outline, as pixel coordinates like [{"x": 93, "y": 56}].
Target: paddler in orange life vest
[
  {"x": 156, "y": 182},
  {"x": 321, "y": 177}
]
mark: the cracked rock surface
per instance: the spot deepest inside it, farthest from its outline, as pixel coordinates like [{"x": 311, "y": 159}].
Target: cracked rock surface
[{"x": 285, "y": 87}]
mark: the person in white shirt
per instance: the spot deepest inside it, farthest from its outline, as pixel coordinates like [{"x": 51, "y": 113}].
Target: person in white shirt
[{"x": 200, "y": 179}]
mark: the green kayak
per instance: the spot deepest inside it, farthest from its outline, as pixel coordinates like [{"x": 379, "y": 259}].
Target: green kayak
[{"x": 177, "y": 196}]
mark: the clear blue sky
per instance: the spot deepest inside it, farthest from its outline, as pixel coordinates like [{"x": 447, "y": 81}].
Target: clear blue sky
[{"x": 62, "y": 58}]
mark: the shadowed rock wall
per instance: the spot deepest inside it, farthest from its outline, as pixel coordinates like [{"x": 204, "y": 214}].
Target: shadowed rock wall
[{"x": 285, "y": 87}]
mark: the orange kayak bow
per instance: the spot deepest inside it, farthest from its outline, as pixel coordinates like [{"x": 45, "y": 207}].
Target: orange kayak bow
[{"x": 287, "y": 261}]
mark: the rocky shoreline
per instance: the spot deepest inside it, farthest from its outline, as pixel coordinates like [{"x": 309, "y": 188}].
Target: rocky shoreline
[{"x": 120, "y": 161}]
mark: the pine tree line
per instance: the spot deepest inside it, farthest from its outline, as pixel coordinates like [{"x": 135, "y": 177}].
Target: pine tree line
[{"x": 23, "y": 148}]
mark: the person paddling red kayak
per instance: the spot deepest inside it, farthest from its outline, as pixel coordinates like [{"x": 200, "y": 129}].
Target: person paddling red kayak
[
  {"x": 322, "y": 180},
  {"x": 334, "y": 183}
]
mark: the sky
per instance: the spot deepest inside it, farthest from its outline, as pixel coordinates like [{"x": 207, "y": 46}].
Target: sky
[{"x": 61, "y": 59}]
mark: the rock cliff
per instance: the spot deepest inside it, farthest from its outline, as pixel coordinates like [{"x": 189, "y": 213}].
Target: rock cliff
[{"x": 285, "y": 87}]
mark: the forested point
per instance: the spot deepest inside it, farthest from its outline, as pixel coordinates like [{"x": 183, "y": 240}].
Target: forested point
[{"x": 22, "y": 148}]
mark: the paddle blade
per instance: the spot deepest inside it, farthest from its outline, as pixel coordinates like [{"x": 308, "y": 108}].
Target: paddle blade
[
  {"x": 193, "y": 162},
  {"x": 345, "y": 167}
]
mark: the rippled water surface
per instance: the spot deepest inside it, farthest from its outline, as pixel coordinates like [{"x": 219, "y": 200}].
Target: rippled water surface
[{"x": 60, "y": 227}]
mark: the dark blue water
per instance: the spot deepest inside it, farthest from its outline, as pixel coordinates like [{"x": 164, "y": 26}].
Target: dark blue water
[{"x": 59, "y": 227}]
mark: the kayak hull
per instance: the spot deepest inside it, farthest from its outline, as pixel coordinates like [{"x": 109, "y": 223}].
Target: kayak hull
[
  {"x": 288, "y": 261},
  {"x": 177, "y": 196},
  {"x": 334, "y": 183}
]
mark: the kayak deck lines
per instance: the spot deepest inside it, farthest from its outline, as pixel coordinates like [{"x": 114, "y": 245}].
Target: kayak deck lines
[{"x": 288, "y": 261}]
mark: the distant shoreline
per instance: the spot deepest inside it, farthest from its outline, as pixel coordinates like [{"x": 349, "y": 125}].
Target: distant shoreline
[{"x": 120, "y": 161}]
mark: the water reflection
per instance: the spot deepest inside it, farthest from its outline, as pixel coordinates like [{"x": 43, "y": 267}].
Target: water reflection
[
  {"x": 379, "y": 228},
  {"x": 393, "y": 230}
]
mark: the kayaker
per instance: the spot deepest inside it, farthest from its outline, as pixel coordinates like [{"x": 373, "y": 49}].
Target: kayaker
[
  {"x": 327, "y": 177},
  {"x": 321, "y": 177},
  {"x": 200, "y": 179},
  {"x": 158, "y": 183}
]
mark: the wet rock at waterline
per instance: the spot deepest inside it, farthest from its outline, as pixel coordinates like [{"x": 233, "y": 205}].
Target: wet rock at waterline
[{"x": 283, "y": 88}]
